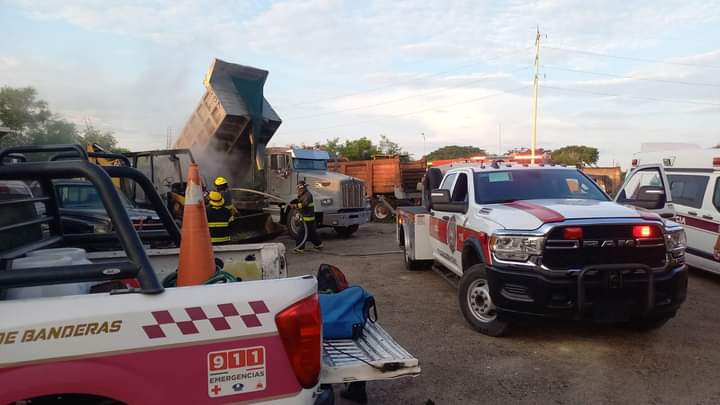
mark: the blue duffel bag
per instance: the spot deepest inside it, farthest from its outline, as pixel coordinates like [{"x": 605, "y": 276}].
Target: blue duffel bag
[{"x": 345, "y": 313}]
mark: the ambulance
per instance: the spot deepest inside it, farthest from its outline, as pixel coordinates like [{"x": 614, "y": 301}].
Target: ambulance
[{"x": 682, "y": 182}]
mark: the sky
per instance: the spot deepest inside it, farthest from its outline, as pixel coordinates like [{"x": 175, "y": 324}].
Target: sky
[{"x": 613, "y": 74}]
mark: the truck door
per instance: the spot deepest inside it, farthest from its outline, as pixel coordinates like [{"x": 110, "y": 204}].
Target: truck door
[
  {"x": 445, "y": 222},
  {"x": 647, "y": 187},
  {"x": 279, "y": 181}
]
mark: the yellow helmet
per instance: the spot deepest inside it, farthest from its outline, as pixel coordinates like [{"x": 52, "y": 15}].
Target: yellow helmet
[
  {"x": 216, "y": 199},
  {"x": 220, "y": 181}
]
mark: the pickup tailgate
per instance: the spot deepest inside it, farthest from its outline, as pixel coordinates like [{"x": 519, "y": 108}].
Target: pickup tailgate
[{"x": 374, "y": 356}]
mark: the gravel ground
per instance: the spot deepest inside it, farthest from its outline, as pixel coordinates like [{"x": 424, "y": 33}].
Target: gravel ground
[{"x": 552, "y": 362}]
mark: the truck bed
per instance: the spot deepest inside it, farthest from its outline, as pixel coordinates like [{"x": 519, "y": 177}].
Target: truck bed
[{"x": 347, "y": 360}]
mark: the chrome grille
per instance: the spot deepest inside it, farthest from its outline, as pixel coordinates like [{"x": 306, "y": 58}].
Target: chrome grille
[{"x": 353, "y": 194}]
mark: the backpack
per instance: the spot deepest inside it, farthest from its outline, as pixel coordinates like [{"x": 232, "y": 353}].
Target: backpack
[
  {"x": 331, "y": 279},
  {"x": 345, "y": 313}
]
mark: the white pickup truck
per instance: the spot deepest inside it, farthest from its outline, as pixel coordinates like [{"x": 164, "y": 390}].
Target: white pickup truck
[
  {"x": 543, "y": 241},
  {"x": 62, "y": 340}
]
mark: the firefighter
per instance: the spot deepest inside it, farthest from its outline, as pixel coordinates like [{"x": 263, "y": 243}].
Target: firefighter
[
  {"x": 219, "y": 218},
  {"x": 222, "y": 187},
  {"x": 307, "y": 209}
]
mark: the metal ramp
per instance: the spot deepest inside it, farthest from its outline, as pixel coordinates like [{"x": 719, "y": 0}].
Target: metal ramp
[{"x": 374, "y": 356}]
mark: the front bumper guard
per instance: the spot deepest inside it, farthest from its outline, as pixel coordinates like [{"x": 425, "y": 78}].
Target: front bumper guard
[{"x": 612, "y": 271}]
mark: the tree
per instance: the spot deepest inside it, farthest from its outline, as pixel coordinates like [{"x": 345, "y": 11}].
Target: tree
[
  {"x": 389, "y": 147},
  {"x": 575, "y": 155},
  {"x": 33, "y": 123},
  {"x": 357, "y": 149},
  {"x": 20, "y": 109},
  {"x": 454, "y": 152}
]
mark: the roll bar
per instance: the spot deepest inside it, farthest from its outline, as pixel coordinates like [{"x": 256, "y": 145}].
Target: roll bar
[
  {"x": 40, "y": 149},
  {"x": 102, "y": 155},
  {"x": 100, "y": 178}
]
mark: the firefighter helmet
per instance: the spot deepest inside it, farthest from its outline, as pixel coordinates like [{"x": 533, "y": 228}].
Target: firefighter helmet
[
  {"x": 216, "y": 199},
  {"x": 220, "y": 181}
]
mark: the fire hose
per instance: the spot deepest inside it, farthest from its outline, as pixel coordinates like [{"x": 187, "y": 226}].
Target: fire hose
[
  {"x": 247, "y": 190},
  {"x": 305, "y": 230}
]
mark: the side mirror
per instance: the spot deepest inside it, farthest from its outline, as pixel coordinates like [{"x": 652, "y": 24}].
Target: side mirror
[
  {"x": 648, "y": 197},
  {"x": 440, "y": 196}
]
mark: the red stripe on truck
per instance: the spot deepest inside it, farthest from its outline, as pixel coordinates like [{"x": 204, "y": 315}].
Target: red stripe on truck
[
  {"x": 167, "y": 375},
  {"x": 698, "y": 223},
  {"x": 544, "y": 214}
]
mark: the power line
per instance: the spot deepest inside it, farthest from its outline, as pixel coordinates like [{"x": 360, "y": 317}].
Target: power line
[
  {"x": 666, "y": 100},
  {"x": 424, "y": 110},
  {"x": 605, "y": 55},
  {"x": 634, "y": 77},
  {"x": 397, "y": 99},
  {"x": 398, "y": 83}
]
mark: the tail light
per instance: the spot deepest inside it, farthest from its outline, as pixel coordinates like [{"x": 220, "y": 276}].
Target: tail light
[
  {"x": 634, "y": 162},
  {"x": 643, "y": 231},
  {"x": 300, "y": 328},
  {"x": 716, "y": 162}
]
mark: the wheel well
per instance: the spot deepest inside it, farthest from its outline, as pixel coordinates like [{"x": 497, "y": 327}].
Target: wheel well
[
  {"x": 470, "y": 256},
  {"x": 80, "y": 399}
]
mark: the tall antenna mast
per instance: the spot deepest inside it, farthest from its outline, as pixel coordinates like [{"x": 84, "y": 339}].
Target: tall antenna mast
[{"x": 536, "y": 83}]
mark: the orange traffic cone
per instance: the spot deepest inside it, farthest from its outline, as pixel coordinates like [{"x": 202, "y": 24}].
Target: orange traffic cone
[{"x": 197, "y": 262}]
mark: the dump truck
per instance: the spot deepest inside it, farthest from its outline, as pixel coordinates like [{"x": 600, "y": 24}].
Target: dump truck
[
  {"x": 389, "y": 181},
  {"x": 228, "y": 133}
]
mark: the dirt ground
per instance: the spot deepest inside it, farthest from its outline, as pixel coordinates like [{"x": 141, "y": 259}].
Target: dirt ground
[{"x": 558, "y": 362}]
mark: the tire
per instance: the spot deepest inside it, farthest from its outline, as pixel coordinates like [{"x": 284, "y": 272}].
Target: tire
[
  {"x": 476, "y": 304},
  {"x": 346, "y": 231},
  {"x": 293, "y": 227},
  {"x": 380, "y": 212}
]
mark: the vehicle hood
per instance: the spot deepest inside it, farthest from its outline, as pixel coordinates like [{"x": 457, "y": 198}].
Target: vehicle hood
[
  {"x": 531, "y": 214},
  {"x": 101, "y": 215},
  {"x": 316, "y": 176}
]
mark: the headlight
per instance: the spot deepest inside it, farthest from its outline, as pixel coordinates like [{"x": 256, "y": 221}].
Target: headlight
[
  {"x": 516, "y": 248},
  {"x": 103, "y": 227},
  {"x": 326, "y": 201},
  {"x": 676, "y": 241}
]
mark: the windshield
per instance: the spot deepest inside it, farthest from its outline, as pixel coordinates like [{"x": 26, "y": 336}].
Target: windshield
[
  {"x": 510, "y": 185},
  {"x": 309, "y": 164},
  {"x": 84, "y": 196}
]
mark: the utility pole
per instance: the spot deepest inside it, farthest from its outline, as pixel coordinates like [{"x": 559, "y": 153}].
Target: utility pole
[
  {"x": 423, "y": 135},
  {"x": 536, "y": 80},
  {"x": 168, "y": 138}
]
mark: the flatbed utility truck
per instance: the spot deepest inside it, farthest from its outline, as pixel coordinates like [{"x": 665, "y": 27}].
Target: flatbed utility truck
[
  {"x": 99, "y": 327},
  {"x": 543, "y": 241}
]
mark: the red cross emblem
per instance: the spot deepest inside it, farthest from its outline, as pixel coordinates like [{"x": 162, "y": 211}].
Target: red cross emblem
[{"x": 216, "y": 389}]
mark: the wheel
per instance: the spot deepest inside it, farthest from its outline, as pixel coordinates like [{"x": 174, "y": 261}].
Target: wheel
[
  {"x": 476, "y": 304},
  {"x": 346, "y": 231},
  {"x": 380, "y": 211},
  {"x": 293, "y": 221}
]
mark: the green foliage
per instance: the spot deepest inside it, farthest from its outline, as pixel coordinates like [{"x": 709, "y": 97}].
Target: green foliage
[
  {"x": 453, "y": 152},
  {"x": 389, "y": 147},
  {"x": 575, "y": 154},
  {"x": 20, "y": 109},
  {"x": 358, "y": 149},
  {"x": 34, "y": 124}
]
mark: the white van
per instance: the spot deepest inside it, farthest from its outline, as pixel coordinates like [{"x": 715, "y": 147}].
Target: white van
[{"x": 683, "y": 184}]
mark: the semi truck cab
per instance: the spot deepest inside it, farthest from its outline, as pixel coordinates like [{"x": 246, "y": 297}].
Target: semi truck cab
[{"x": 340, "y": 200}]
